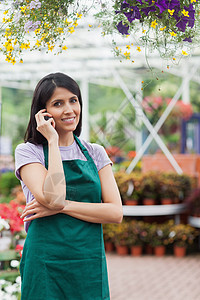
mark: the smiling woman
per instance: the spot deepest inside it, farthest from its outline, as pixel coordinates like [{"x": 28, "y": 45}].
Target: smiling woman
[
  {"x": 64, "y": 108},
  {"x": 70, "y": 190}
]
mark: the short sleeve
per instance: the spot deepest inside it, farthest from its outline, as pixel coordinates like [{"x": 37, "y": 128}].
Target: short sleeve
[
  {"x": 27, "y": 153},
  {"x": 98, "y": 154},
  {"x": 100, "y": 157}
]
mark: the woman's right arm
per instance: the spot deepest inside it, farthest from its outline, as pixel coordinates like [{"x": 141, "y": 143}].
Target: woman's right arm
[{"x": 47, "y": 186}]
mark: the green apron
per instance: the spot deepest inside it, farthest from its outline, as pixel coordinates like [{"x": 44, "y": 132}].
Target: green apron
[{"x": 64, "y": 257}]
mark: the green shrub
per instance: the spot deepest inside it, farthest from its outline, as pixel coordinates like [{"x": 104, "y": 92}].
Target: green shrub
[{"x": 7, "y": 182}]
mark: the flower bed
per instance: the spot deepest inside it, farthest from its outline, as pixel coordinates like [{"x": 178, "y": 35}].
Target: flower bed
[
  {"x": 138, "y": 233},
  {"x": 154, "y": 185}
]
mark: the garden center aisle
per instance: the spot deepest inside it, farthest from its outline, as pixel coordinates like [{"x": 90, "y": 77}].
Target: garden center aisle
[{"x": 154, "y": 278}]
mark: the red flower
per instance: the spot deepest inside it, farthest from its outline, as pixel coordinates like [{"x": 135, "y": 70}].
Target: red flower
[
  {"x": 131, "y": 154},
  {"x": 19, "y": 249},
  {"x": 11, "y": 212}
]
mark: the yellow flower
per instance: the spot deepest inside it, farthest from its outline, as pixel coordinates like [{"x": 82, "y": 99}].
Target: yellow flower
[
  {"x": 174, "y": 58},
  {"x": 25, "y": 46},
  {"x": 117, "y": 48},
  {"x": 143, "y": 31},
  {"x": 185, "y": 13},
  {"x": 173, "y": 33},
  {"x": 50, "y": 48},
  {"x": 60, "y": 29},
  {"x": 15, "y": 41},
  {"x": 67, "y": 23},
  {"x": 38, "y": 43},
  {"x": 138, "y": 49},
  {"x": 133, "y": 61},
  {"x": 75, "y": 24},
  {"x": 163, "y": 28},
  {"x": 171, "y": 11},
  {"x": 127, "y": 55},
  {"x": 71, "y": 29},
  {"x": 21, "y": 61},
  {"x": 64, "y": 48},
  {"x": 5, "y": 12},
  {"x": 128, "y": 46},
  {"x": 90, "y": 25},
  {"x": 193, "y": 1},
  {"x": 153, "y": 24},
  {"x": 37, "y": 30},
  {"x": 8, "y": 58},
  {"x": 23, "y": 8},
  {"x": 44, "y": 35},
  {"x": 79, "y": 15},
  {"x": 9, "y": 48},
  {"x": 13, "y": 61},
  {"x": 184, "y": 53}
]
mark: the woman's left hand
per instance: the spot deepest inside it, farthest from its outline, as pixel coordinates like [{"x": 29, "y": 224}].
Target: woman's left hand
[{"x": 35, "y": 210}]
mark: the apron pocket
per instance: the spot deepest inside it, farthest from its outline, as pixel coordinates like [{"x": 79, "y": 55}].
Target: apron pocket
[{"x": 74, "y": 279}]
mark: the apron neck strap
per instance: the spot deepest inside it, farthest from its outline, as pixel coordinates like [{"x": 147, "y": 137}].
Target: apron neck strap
[{"x": 83, "y": 150}]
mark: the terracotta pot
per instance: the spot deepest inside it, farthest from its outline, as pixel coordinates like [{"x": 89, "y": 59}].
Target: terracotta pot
[
  {"x": 130, "y": 202},
  {"x": 109, "y": 246},
  {"x": 149, "y": 249},
  {"x": 159, "y": 250},
  {"x": 166, "y": 201},
  {"x": 122, "y": 250},
  {"x": 179, "y": 251},
  {"x": 149, "y": 201},
  {"x": 136, "y": 250}
]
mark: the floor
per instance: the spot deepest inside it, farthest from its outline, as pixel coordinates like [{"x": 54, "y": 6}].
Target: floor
[{"x": 154, "y": 278}]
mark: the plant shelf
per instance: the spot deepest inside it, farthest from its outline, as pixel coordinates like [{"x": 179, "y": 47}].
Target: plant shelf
[
  {"x": 194, "y": 221},
  {"x": 154, "y": 210}
]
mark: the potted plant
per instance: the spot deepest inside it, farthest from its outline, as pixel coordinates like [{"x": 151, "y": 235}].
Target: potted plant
[
  {"x": 136, "y": 234},
  {"x": 194, "y": 203},
  {"x": 108, "y": 235},
  {"x": 129, "y": 187},
  {"x": 150, "y": 186},
  {"x": 159, "y": 237},
  {"x": 121, "y": 238},
  {"x": 169, "y": 190},
  {"x": 181, "y": 236}
]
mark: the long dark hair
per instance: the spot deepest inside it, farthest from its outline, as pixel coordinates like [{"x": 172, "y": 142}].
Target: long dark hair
[{"x": 43, "y": 92}]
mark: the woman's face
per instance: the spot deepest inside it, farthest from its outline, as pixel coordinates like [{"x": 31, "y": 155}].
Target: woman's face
[{"x": 65, "y": 108}]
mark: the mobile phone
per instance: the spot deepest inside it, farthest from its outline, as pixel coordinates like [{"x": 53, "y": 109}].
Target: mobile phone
[{"x": 47, "y": 118}]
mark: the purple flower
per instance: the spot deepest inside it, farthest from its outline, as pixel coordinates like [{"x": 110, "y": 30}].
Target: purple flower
[
  {"x": 133, "y": 14},
  {"x": 183, "y": 21},
  {"x": 173, "y": 3},
  {"x": 188, "y": 40},
  {"x": 191, "y": 15},
  {"x": 123, "y": 28},
  {"x": 35, "y": 4},
  {"x": 146, "y": 10},
  {"x": 30, "y": 26},
  {"x": 162, "y": 5}
]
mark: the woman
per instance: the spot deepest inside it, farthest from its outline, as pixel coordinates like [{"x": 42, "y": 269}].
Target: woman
[{"x": 70, "y": 190}]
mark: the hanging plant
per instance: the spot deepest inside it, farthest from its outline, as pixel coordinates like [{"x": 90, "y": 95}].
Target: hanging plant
[
  {"x": 169, "y": 26},
  {"x": 36, "y": 25}
]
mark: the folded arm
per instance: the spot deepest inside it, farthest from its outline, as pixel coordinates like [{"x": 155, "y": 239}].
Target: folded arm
[{"x": 109, "y": 211}]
